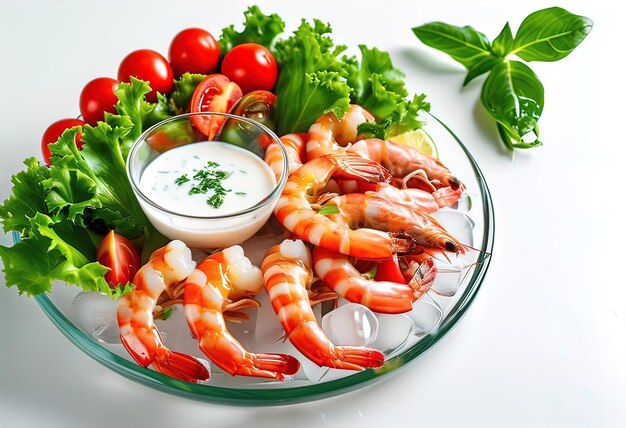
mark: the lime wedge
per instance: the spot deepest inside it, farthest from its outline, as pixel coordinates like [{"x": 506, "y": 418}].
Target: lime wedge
[{"x": 419, "y": 140}]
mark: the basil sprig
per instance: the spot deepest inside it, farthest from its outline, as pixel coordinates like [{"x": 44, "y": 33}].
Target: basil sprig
[{"x": 512, "y": 93}]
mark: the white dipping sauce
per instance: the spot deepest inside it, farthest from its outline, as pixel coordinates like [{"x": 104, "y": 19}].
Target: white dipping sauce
[{"x": 249, "y": 179}]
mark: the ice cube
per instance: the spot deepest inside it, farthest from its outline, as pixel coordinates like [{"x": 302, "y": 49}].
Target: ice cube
[
  {"x": 448, "y": 279},
  {"x": 351, "y": 325},
  {"x": 176, "y": 334},
  {"x": 464, "y": 204},
  {"x": 308, "y": 369},
  {"x": 426, "y": 316},
  {"x": 96, "y": 314},
  {"x": 458, "y": 224},
  {"x": 393, "y": 331},
  {"x": 268, "y": 328}
]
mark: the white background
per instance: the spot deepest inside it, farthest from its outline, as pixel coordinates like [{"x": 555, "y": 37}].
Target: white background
[{"x": 544, "y": 343}]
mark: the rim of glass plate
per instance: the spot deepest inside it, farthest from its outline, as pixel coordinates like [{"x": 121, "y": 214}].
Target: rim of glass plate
[{"x": 290, "y": 395}]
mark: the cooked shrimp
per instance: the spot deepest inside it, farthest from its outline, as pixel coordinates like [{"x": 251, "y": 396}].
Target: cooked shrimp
[
  {"x": 287, "y": 274},
  {"x": 167, "y": 267},
  {"x": 218, "y": 280},
  {"x": 428, "y": 202},
  {"x": 294, "y": 210},
  {"x": 418, "y": 198},
  {"x": 329, "y": 134},
  {"x": 404, "y": 161},
  {"x": 360, "y": 210},
  {"x": 338, "y": 273},
  {"x": 294, "y": 146}
]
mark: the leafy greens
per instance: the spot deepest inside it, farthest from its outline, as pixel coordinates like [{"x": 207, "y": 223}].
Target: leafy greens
[
  {"x": 512, "y": 93},
  {"x": 62, "y": 212}
]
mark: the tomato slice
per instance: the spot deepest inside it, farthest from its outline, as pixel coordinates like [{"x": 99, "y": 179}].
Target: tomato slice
[
  {"x": 118, "y": 254},
  {"x": 215, "y": 93}
]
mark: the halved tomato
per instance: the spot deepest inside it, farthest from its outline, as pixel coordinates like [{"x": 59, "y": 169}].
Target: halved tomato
[
  {"x": 215, "y": 93},
  {"x": 118, "y": 254}
]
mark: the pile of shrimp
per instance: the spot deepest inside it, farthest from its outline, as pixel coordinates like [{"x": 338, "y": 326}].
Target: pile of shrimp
[{"x": 349, "y": 204}]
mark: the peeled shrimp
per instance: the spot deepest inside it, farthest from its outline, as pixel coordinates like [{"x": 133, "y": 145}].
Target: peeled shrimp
[
  {"x": 294, "y": 146},
  {"x": 218, "y": 280},
  {"x": 166, "y": 268},
  {"x": 295, "y": 212},
  {"x": 287, "y": 274},
  {"x": 328, "y": 134}
]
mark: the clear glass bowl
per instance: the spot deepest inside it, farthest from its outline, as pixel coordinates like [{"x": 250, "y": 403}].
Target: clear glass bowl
[
  {"x": 205, "y": 231},
  {"x": 449, "y": 302}
]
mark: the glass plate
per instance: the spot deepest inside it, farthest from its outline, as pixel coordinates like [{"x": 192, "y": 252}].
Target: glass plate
[{"x": 452, "y": 304}]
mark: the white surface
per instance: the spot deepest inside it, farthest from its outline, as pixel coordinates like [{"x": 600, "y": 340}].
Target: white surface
[{"x": 544, "y": 344}]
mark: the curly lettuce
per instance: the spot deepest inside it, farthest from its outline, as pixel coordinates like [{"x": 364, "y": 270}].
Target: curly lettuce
[
  {"x": 379, "y": 88},
  {"x": 312, "y": 78},
  {"x": 63, "y": 211},
  {"x": 258, "y": 28},
  {"x": 49, "y": 249}
]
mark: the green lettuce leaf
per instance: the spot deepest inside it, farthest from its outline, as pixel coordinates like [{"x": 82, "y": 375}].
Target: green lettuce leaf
[
  {"x": 27, "y": 199},
  {"x": 374, "y": 63},
  {"x": 379, "y": 88},
  {"x": 180, "y": 98},
  {"x": 312, "y": 78},
  {"x": 404, "y": 118},
  {"x": 95, "y": 178},
  {"x": 258, "y": 28},
  {"x": 143, "y": 114},
  {"x": 43, "y": 256}
]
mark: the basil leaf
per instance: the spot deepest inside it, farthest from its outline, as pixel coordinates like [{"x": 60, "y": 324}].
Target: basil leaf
[
  {"x": 482, "y": 67},
  {"x": 513, "y": 95},
  {"x": 503, "y": 44},
  {"x": 550, "y": 34},
  {"x": 463, "y": 44}
]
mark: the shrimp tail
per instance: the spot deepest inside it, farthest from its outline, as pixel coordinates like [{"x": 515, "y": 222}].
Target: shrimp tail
[
  {"x": 355, "y": 358},
  {"x": 351, "y": 166},
  {"x": 402, "y": 243},
  {"x": 180, "y": 366},
  {"x": 278, "y": 364}
]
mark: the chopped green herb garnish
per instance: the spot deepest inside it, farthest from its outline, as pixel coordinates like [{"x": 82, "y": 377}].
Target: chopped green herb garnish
[
  {"x": 167, "y": 312},
  {"x": 241, "y": 193},
  {"x": 208, "y": 178},
  {"x": 329, "y": 209},
  {"x": 182, "y": 179}
]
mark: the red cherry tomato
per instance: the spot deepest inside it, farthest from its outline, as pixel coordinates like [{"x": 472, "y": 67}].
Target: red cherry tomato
[
  {"x": 214, "y": 93},
  {"x": 251, "y": 66},
  {"x": 194, "y": 51},
  {"x": 97, "y": 97},
  {"x": 150, "y": 66},
  {"x": 54, "y": 131},
  {"x": 118, "y": 254},
  {"x": 388, "y": 270}
]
